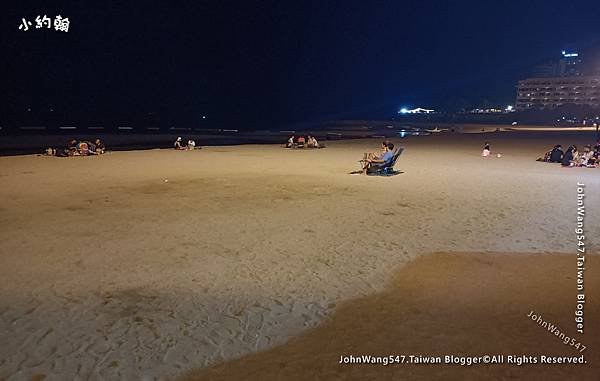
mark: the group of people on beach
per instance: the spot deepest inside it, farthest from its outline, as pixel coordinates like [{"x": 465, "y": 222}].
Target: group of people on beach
[
  {"x": 78, "y": 148},
  {"x": 572, "y": 157},
  {"x": 302, "y": 142},
  {"x": 189, "y": 146}
]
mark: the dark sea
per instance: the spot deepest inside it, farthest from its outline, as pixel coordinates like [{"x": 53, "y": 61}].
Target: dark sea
[{"x": 36, "y": 139}]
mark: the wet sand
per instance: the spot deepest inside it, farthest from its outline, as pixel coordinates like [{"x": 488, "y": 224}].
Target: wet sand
[
  {"x": 107, "y": 271},
  {"x": 446, "y": 304}
]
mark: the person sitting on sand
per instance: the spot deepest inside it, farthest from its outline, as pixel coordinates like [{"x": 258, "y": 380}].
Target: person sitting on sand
[
  {"x": 191, "y": 144},
  {"x": 77, "y": 151},
  {"x": 584, "y": 158},
  {"x": 553, "y": 156},
  {"x": 309, "y": 142},
  {"x": 72, "y": 148},
  {"x": 100, "y": 147},
  {"x": 177, "y": 144},
  {"x": 556, "y": 154},
  {"x": 568, "y": 158},
  {"x": 386, "y": 157},
  {"x": 84, "y": 148},
  {"x": 546, "y": 157},
  {"x": 486, "y": 150},
  {"x": 95, "y": 148},
  {"x": 315, "y": 142},
  {"x": 290, "y": 143},
  {"x": 595, "y": 159},
  {"x": 575, "y": 155},
  {"x": 91, "y": 147},
  {"x": 301, "y": 142}
]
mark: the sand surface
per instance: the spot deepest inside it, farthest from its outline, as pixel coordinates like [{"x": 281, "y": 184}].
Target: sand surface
[
  {"x": 481, "y": 308},
  {"x": 108, "y": 272}
]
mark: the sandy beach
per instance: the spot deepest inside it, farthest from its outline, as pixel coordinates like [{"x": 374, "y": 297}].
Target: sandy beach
[
  {"x": 162, "y": 264},
  {"x": 414, "y": 316}
]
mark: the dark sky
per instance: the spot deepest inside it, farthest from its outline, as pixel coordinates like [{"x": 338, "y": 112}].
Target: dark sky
[{"x": 281, "y": 62}]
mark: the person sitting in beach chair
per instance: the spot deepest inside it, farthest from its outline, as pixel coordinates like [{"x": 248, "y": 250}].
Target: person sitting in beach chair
[
  {"x": 386, "y": 160},
  {"x": 372, "y": 155}
]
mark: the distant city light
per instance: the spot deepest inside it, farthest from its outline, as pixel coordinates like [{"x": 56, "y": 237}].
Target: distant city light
[
  {"x": 565, "y": 54},
  {"x": 203, "y": 116},
  {"x": 509, "y": 108},
  {"x": 418, "y": 110}
]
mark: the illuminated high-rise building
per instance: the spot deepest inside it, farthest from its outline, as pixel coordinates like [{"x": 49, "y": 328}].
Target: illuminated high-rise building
[
  {"x": 549, "y": 93},
  {"x": 570, "y": 65},
  {"x": 559, "y": 82}
]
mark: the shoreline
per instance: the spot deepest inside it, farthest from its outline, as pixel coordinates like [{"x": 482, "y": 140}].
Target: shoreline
[{"x": 25, "y": 144}]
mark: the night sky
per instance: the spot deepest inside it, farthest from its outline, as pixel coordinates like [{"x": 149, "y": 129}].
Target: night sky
[{"x": 282, "y": 62}]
